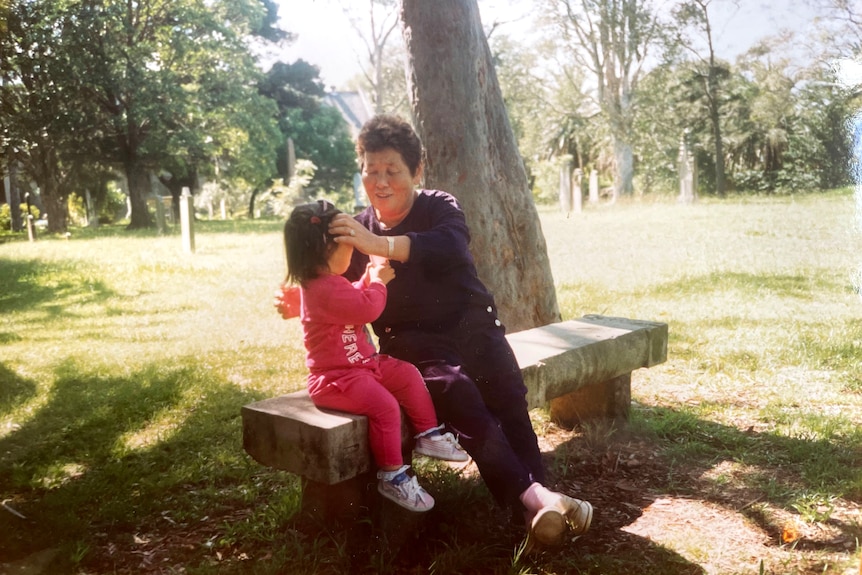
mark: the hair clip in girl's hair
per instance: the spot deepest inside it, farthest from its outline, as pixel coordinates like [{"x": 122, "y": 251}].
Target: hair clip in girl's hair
[{"x": 314, "y": 220}]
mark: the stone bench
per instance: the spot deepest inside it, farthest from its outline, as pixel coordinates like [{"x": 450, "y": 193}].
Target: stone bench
[{"x": 580, "y": 368}]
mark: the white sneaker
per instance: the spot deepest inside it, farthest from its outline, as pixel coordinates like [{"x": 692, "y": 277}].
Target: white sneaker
[
  {"x": 404, "y": 490},
  {"x": 440, "y": 446}
]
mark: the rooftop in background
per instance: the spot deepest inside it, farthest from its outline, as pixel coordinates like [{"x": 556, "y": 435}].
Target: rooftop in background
[{"x": 354, "y": 108}]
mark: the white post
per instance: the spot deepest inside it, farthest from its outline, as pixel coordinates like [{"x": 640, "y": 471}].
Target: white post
[
  {"x": 92, "y": 216},
  {"x": 594, "y": 186},
  {"x": 31, "y": 229},
  {"x": 160, "y": 212},
  {"x": 187, "y": 219},
  {"x": 686, "y": 173},
  {"x": 566, "y": 186},
  {"x": 577, "y": 191}
]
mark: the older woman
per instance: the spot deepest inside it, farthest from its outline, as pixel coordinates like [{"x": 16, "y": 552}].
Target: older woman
[{"x": 440, "y": 317}]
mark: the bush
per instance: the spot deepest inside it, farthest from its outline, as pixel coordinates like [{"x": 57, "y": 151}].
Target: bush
[{"x": 6, "y": 215}]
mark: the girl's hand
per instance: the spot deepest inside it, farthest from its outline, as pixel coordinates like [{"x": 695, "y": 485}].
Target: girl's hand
[
  {"x": 287, "y": 301},
  {"x": 381, "y": 272}
]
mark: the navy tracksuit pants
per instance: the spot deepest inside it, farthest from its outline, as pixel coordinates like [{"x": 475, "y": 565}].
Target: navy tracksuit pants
[{"x": 478, "y": 392}]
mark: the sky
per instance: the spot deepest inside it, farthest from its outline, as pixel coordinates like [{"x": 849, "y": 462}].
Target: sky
[{"x": 326, "y": 38}]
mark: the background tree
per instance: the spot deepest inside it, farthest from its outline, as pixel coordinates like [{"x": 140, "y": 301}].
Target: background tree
[
  {"x": 471, "y": 152},
  {"x": 551, "y": 115},
  {"x": 612, "y": 39},
  {"x": 153, "y": 67},
  {"x": 377, "y": 29},
  {"x": 43, "y": 119},
  {"x": 696, "y": 29},
  {"x": 841, "y": 21},
  {"x": 319, "y": 133}
]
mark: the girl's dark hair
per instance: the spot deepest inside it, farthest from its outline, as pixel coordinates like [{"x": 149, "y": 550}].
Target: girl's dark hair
[
  {"x": 386, "y": 131},
  {"x": 307, "y": 241}
]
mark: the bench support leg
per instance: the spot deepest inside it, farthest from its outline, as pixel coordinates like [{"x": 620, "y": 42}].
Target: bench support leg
[
  {"x": 607, "y": 400},
  {"x": 351, "y": 502},
  {"x": 344, "y": 501}
]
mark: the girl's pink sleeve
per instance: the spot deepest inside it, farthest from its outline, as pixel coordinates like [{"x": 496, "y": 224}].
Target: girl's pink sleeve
[{"x": 358, "y": 303}]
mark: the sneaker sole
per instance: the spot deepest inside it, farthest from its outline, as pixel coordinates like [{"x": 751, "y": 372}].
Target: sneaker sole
[
  {"x": 460, "y": 457},
  {"x": 549, "y": 527}
]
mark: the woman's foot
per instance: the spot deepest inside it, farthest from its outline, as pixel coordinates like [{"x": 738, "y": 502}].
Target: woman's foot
[
  {"x": 578, "y": 514},
  {"x": 548, "y": 527},
  {"x": 550, "y": 514}
]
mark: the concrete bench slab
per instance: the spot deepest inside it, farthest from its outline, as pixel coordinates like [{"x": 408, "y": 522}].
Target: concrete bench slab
[{"x": 580, "y": 368}]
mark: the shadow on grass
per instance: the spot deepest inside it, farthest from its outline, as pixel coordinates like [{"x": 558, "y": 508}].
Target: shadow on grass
[
  {"x": 33, "y": 284},
  {"x": 115, "y": 471},
  {"x": 677, "y": 454},
  {"x": 775, "y": 469},
  {"x": 104, "y": 454},
  {"x": 14, "y": 389},
  {"x": 119, "y": 469}
]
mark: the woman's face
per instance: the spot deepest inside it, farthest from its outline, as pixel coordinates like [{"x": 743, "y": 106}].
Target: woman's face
[{"x": 389, "y": 185}]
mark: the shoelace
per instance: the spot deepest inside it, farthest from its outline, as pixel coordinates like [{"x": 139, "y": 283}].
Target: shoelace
[
  {"x": 410, "y": 488},
  {"x": 447, "y": 437}
]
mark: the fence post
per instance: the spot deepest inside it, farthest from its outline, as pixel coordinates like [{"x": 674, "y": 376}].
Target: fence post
[
  {"x": 687, "y": 173},
  {"x": 594, "y": 186},
  {"x": 187, "y": 219},
  {"x": 577, "y": 191},
  {"x": 566, "y": 186}
]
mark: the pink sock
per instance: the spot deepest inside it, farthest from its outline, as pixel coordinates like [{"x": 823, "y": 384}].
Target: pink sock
[{"x": 537, "y": 496}]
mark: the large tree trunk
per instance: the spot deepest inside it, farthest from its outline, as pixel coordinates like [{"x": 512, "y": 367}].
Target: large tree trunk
[
  {"x": 624, "y": 160},
  {"x": 471, "y": 153},
  {"x": 47, "y": 175},
  {"x": 139, "y": 188},
  {"x": 14, "y": 198},
  {"x": 56, "y": 207},
  {"x": 175, "y": 185},
  {"x": 715, "y": 119}
]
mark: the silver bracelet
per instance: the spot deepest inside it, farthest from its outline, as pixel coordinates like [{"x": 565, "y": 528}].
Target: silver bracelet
[{"x": 391, "y": 241}]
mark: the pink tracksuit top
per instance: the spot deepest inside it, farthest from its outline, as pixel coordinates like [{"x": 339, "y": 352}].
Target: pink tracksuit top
[{"x": 334, "y": 314}]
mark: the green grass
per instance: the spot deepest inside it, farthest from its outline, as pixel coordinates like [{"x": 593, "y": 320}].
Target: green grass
[{"x": 124, "y": 362}]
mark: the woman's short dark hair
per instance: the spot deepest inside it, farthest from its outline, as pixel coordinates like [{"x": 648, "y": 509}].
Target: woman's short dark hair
[
  {"x": 307, "y": 240},
  {"x": 387, "y": 131}
]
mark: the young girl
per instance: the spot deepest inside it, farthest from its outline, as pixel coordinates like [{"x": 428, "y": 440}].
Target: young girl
[{"x": 346, "y": 372}]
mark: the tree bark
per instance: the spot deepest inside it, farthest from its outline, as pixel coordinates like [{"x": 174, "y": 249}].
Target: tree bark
[
  {"x": 471, "y": 153},
  {"x": 14, "y": 197},
  {"x": 47, "y": 174},
  {"x": 139, "y": 189}
]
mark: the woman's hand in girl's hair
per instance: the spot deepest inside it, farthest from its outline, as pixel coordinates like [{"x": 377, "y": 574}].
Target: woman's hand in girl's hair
[
  {"x": 347, "y": 230},
  {"x": 382, "y": 272},
  {"x": 287, "y": 301}
]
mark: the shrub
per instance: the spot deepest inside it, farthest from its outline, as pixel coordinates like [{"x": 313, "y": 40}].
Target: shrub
[{"x": 6, "y": 214}]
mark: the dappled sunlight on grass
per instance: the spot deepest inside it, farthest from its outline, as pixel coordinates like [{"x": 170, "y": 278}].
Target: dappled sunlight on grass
[
  {"x": 124, "y": 364},
  {"x": 123, "y": 442}
]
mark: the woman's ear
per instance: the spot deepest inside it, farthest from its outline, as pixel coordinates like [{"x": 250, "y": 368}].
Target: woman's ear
[{"x": 417, "y": 177}]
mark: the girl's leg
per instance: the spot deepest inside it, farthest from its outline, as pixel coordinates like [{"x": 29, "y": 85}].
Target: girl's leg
[
  {"x": 405, "y": 383},
  {"x": 357, "y": 391}
]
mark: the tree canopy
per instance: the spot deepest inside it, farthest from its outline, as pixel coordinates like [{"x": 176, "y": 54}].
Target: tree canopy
[{"x": 167, "y": 89}]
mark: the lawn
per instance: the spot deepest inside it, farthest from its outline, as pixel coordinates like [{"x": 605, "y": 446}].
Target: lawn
[{"x": 124, "y": 363}]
